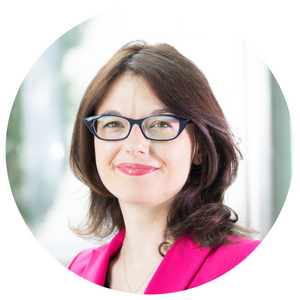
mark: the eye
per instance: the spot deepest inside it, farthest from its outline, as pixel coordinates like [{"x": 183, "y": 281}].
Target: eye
[
  {"x": 113, "y": 125},
  {"x": 161, "y": 124}
]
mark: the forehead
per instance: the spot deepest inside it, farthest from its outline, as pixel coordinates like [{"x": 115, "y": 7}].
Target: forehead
[{"x": 129, "y": 94}]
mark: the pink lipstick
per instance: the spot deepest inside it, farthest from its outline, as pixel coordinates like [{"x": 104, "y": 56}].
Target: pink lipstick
[{"x": 135, "y": 169}]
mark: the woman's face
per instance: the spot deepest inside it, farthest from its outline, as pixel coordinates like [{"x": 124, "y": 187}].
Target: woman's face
[{"x": 171, "y": 160}]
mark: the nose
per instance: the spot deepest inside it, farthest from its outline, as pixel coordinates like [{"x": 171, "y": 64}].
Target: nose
[{"x": 136, "y": 143}]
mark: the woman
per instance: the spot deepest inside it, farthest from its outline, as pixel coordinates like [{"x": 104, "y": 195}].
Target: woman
[{"x": 157, "y": 155}]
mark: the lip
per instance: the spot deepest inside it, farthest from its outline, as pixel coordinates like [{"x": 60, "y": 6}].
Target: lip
[{"x": 135, "y": 169}]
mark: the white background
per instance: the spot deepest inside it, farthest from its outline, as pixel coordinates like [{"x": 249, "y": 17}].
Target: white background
[{"x": 272, "y": 28}]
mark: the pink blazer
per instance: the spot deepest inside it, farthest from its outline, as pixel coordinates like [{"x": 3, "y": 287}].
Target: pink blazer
[{"x": 184, "y": 266}]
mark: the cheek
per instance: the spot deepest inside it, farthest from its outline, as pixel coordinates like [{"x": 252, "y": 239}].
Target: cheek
[
  {"x": 177, "y": 159},
  {"x": 104, "y": 154},
  {"x": 177, "y": 163}
]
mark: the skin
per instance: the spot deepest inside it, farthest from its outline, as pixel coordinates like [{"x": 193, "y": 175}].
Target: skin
[{"x": 144, "y": 200}]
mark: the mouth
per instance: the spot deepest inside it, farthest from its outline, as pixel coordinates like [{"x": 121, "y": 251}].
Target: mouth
[{"x": 135, "y": 169}]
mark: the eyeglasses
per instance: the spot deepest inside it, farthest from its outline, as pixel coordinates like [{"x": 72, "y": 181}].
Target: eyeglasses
[{"x": 155, "y": 128}]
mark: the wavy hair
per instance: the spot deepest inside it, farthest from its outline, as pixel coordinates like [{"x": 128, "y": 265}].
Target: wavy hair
[{"x": 198, "y": 209}]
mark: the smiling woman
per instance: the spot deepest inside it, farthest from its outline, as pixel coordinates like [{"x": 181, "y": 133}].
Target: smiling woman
[
  {"x": 153, "y": 146},
  {"x": 168, "y": 162}
]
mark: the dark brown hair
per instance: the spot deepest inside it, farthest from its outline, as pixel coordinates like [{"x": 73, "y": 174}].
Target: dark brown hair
[{"x": 198, "y": 210}]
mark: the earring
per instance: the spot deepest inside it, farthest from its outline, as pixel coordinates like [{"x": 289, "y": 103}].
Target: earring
[{"x": 200, "y": 159}]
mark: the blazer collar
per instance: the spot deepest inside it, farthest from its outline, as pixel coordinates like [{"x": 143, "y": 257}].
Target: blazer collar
[
  {"x": 178, "y": 267},
  {"x": 96, "y": 268}
]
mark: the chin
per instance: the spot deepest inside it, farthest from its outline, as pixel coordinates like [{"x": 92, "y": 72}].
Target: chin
[
  {"x": 146, "y": 199},
  {"x": 136, "y": 198}
]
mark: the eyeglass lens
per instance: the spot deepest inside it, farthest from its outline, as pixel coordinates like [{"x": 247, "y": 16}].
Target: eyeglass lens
[{"x": 157, "y": 127}]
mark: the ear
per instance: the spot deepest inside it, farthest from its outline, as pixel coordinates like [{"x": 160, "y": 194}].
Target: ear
[{"x": 197, "y": 160}]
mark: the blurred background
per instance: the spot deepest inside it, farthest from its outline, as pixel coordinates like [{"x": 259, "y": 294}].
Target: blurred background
[{"x": 43, "y": 114}]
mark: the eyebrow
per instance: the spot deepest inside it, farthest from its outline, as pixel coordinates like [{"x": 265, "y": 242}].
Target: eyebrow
[{"x": 155, "y": 112}]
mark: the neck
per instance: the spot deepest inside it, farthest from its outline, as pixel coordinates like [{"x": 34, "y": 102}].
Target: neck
[{"x": 144, "y": 232}]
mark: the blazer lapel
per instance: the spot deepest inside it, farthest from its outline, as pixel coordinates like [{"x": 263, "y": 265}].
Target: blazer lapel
[
  {"x": 96, "y": 268},
  {"x": 178, "y": 267}
]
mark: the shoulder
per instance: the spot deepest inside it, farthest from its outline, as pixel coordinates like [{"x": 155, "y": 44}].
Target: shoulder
[
  {"x": 221, "y": 259},
  {"x": 93, "y": 261},
  {"x": 81, "y": 260},
  {"x": 242, "y": 247},
  {"x": 235, "y": 251}
]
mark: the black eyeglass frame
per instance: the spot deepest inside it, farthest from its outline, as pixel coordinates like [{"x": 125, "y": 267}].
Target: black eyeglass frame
[{"x": 90, "y": 124}]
